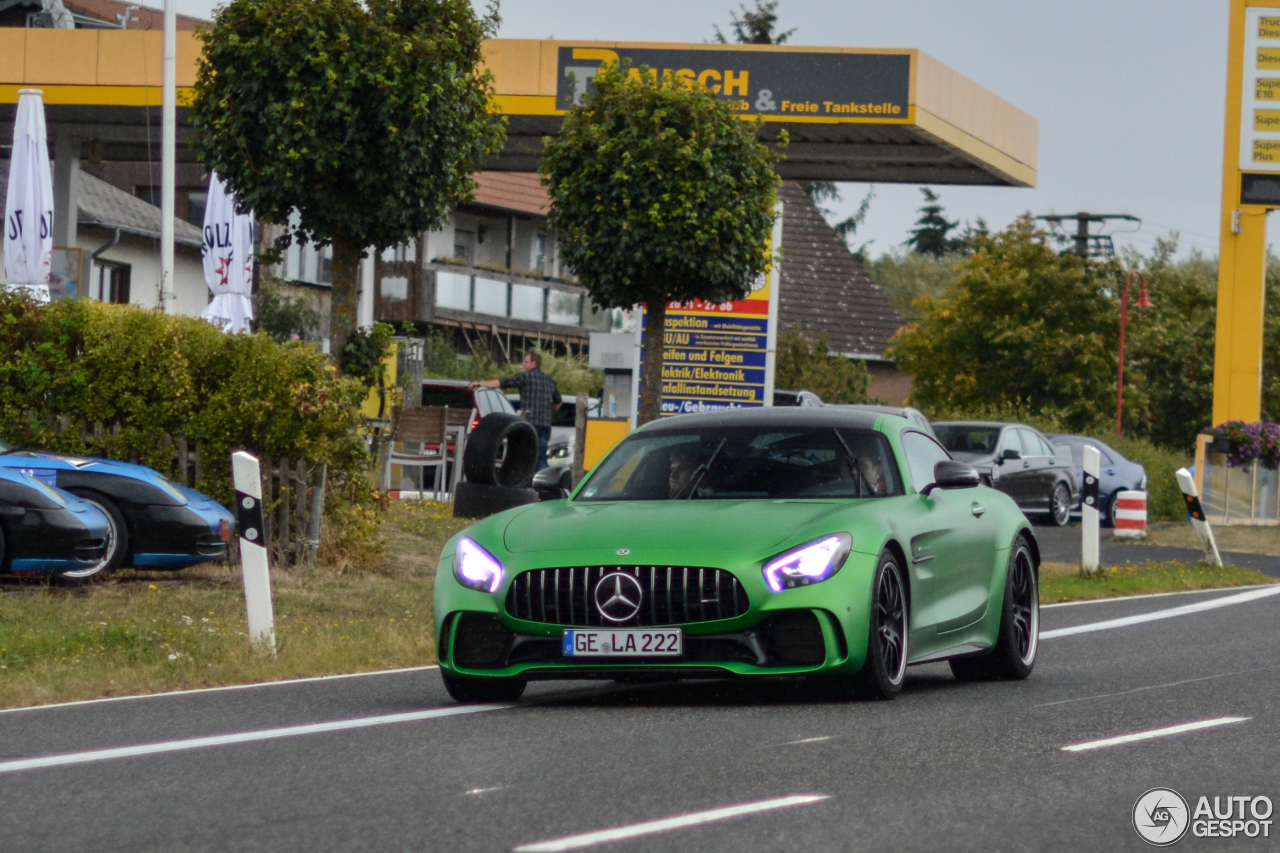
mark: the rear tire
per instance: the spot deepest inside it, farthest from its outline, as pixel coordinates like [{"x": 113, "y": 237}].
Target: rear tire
[
  {"x": 1111, "y": 509},
  {"x": 117, "y": 544},
  {"x": 477, "y": 500},
  {"x": 483, "y": 689},
  {"x": 1018, "y": 642},
  {"x": 885, "y": 668},
  {"x": 1060, "y": 505}
]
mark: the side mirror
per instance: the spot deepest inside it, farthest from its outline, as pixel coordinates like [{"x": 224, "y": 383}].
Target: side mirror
[
  {"x": 1010, "y": 453},
  {"x": 553, "y": 484},
  {"x": 949, "y": 474}
]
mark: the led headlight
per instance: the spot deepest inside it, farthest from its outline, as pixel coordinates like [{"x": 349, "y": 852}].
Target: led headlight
[
  {"x": 808, "y": 563},
  {"x": 475, "y": 568}
]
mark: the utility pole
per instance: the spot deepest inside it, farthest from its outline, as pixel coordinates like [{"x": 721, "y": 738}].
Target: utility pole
[
  {"x": 1101, "y": 243},
  {"x": 168, "y": 156}
]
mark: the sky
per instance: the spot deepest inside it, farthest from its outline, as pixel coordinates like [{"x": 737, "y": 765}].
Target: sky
[{"x": 1129, "y": 94}]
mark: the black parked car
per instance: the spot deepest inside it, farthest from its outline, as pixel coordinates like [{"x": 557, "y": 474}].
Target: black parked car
[{"x": 1020, "y": 461}]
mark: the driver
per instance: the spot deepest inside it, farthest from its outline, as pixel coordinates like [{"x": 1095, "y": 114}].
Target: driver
[
  {"x": 873, "y": 476},
  {"x": 683, "y": 464}
]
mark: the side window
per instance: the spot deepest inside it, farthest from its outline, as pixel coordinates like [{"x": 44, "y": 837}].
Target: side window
[
  {"x": 502, "y": 404},
  {"x": 1030, "y": 443},
  {"x": 484, "y": 402},
  {"x": 1077, "y": 453},
  {"x": 1011, "y": 442},
  {"x": 1106, "y": 460},
  {"x": 922, "y": 454}
]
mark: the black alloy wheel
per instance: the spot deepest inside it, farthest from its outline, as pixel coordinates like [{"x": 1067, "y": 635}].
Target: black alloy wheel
[
  {"x": 885, "y": 668},
  {"x": 1060, "y": 505},
  {"x": 464, "y": 689},
  {"x": 1018, "y": 642},
  {"x": 113, "y": 549},
  {"x": 1111, "y": 509}
]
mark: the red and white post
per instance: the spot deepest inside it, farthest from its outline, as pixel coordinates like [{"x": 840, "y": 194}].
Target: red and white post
[
  {"x": 1131, "y": 515},
  {"x": 254, "y": 562}
]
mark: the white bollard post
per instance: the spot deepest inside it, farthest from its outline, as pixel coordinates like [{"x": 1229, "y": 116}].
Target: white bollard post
[
  {"x": 1192, "y": 496},
  {"x": 1089, "y": 510},
  {"x": 253, "y": 551}
]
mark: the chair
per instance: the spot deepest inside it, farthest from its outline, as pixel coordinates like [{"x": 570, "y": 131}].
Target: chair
[{"x": 430, "y": 425}]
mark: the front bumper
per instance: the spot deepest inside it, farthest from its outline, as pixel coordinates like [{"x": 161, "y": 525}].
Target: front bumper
[
  {"x": 174, "y": 537},
  {"x": 51, "y": 540},
  {"x": 821, "y": 628}
]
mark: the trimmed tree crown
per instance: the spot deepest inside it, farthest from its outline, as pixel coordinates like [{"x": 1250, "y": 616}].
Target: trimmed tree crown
[
  {"x": 367, "y": 118},
  {"x": 659, "y": 191}
]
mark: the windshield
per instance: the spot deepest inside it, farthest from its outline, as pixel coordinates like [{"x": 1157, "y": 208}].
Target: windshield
[
  {"x": 962, "y": 438},
  {"x": 745, "y": 463}
]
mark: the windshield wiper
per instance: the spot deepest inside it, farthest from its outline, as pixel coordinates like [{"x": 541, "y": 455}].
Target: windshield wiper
[
  {"x": 699, "y": 473},
  {"x": 852, "y": 462}
]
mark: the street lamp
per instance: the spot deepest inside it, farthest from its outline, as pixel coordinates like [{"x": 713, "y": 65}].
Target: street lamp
[{"x": 1143, "y": 303}]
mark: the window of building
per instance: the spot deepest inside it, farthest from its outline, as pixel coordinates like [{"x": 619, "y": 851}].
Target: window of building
[
  {"x": 564, "y": 308},
  {"x": 405, "y": 252},
  {"x": 453, "y": 291},
  {"x": 527, "y": 302},
  {"x": 490, "y": 297},
  {"x": 109, "y": 283},
  {"x": 197, "y": 201}
]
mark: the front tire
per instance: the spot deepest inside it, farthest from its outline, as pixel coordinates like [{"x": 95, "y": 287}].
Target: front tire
[
  {"x": 1060, "y": 505},
  {"x": 1018, "y": 642},
  {"x": 482, "y": 689},
  {"x": 117, "y": 543},
  {"x": 885, "y": 669}
]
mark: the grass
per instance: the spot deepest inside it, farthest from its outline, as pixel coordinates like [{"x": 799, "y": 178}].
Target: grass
[
  {"x": 1250, "y": 540},
  {"x": 1065, "y": 582},
  {"x": 145, "y": 632}
]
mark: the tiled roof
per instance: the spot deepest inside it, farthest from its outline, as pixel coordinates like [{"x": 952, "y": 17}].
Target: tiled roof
[
  {"x": 825, "y": 288},
  {"x": 519, "y": 191},
  {"x": 147, "y": 18},
  {"x": 109, "y": 207}
]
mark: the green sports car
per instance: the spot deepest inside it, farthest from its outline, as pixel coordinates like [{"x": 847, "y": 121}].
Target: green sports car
[{"x": 751, "y": 542}]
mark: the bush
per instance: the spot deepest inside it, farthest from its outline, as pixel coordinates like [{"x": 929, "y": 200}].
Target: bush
[
  {"x": 806, "y": 364},
  {"x": 146, "y": 378}
]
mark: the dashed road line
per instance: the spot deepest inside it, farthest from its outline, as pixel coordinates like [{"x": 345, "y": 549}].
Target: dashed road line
[
  {"x": 1167, "y": 731},
  {"x": 619, "y": 833}
]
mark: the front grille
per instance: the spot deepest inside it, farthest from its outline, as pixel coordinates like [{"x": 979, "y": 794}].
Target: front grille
[{"x": 670, "y": 595}]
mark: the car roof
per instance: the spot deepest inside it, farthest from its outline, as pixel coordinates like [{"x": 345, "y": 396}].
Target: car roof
[
  {"x": 900, "y": 411},
  {"x": 770, "y": 416},
  {"x": 449, "y": 383},
  {"x": 979, "y": 423}
]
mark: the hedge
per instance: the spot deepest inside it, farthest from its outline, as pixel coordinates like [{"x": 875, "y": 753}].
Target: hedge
[{"x": 149, "y": 379}]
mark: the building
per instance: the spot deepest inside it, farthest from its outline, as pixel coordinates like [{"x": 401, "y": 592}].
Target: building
[{"x": 117, "y": 249}]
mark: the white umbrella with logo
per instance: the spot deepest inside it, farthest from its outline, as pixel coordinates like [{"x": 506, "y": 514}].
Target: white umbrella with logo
[
  {"x": 28, "y": 209},
  {"x": 227, "y": 248}
]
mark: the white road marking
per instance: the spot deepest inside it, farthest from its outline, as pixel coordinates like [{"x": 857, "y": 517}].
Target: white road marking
[
  {"x": 220, "y": 689},
  {"x": 1154, "y": 595},
  {"x": 602, "y": 836},
  {"x": 1153, "y": 733},
  {"x": 808, "y": 740},
  {"x": 1242, "y": 598},
  {"x": 239, "y": 737}
]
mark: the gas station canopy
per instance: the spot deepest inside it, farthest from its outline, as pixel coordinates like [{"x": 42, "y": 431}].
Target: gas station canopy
[{"x": 852, "y": 114}]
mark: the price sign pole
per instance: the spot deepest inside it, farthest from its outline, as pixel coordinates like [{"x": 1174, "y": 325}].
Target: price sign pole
[{"x": 253, "y": 551}]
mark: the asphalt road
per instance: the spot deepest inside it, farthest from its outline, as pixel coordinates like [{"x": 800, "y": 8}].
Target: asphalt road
[
  {"x": 1063, "y": 544},
  {"x": 948, "y": 766}
]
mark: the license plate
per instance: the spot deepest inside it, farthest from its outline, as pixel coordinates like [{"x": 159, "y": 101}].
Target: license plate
[{"x": 625, "y": 643}]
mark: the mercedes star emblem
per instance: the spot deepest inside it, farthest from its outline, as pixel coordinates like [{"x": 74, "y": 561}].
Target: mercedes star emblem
[{"x": 618, "y": 596}]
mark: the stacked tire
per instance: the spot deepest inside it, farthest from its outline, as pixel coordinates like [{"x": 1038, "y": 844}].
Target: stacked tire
[{"x": 498, "y": 465}]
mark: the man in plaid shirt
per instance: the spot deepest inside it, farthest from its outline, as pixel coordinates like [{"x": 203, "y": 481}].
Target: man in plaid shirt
[{"x": 539, "y": 396}]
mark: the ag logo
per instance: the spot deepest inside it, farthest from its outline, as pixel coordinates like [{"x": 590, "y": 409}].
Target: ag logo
[{"x": 1160, "y": 816}]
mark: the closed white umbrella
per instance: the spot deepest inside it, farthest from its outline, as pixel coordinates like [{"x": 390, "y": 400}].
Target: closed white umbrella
[
  {"x": 28, "y": 207},
  {"x": 228, "y": 259}
]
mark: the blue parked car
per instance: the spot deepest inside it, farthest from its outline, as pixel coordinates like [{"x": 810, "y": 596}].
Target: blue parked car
[
  {"x": 1117, "y": 473},
  {"x": 155, "y": 523},
  {"x": 46, "y": 530}
]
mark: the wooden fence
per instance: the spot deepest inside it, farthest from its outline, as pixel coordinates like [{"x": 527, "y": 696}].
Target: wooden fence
[{"x": 288, "y": 489}]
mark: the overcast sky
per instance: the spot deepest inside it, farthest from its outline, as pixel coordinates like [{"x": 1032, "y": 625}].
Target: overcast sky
[{"x": 1129, "y": 93}]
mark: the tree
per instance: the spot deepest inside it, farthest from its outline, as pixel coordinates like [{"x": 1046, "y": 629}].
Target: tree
[
  {"x": 805, "y": 364},
  {"x": 756, "y": 27},
  {"x": 1022, "y": 326},
  {"x": 659, "y": 192},
  {"x": 929, "y": 237},
  {"x": 366, "y": 119}
]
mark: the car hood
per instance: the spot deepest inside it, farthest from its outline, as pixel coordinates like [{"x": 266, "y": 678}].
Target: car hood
[{"x": 665, "y": 530}]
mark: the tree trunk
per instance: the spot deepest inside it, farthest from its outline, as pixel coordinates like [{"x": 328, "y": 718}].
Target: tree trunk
[
  {"x": 344, "y": 303},
  {"x": 651, "y": 370}
]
